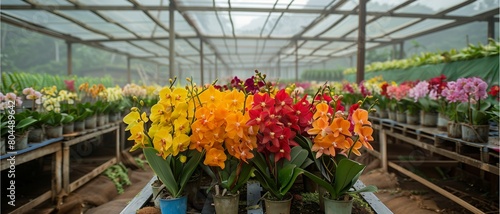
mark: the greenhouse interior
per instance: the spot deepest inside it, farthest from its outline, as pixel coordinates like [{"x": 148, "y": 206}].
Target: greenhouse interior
[{"x": 236, "y": 106}]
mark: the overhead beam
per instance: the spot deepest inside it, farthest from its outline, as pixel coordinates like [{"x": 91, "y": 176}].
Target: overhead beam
[
  {"x": 328, "y": 39},
  {"x": 234, "y": 9}
]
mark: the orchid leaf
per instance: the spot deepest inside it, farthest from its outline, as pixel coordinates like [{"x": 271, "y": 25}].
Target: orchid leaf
[
  {"x": 161, "y": 167},
  {"x": 347, "y": 173}
]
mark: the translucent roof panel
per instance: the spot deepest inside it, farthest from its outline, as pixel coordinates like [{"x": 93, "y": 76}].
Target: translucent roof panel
[
  {"x": 13, "y": 2},
  {"x": 476, "y": 8},
  {"x": 181, "y": 26},
  {"x": 291, "y": 24},
  {"x": 428, "y": 6},
  {"x": 383, "y": 5},
  {"x": 53, "y": 2},
  {"x": 311, "y": 4},
  {"x": 127, "y": 48},
  {"x": 384, "y": 25},
  {"x": 323, "y": 25},
  {"x": 54, "y": 22},
  {"x": 244, "y": 34},
  {"x": 419, "y": 27},
  {"x": 209, "y": 25},
  {"x": 135, "y": 21},
  {"x": 105, "y": 3},
  {"x": 153, "y": 47}
]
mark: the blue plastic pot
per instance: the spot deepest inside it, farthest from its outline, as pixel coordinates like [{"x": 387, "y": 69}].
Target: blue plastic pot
[{"x": 174, "y": 205}]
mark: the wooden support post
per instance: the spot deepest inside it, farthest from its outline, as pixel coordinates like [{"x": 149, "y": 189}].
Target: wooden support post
[
  {"x": 491, "y": 28},
  {"x": 117, "y": 144},
  {"x": 383, "y": 149},
  {"x": 66, "y": 168}
]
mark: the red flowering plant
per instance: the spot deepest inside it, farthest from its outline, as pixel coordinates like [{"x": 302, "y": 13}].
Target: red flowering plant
[
  {"x": 220, "y": 129},
  {"x": 279, "y": 120},
  {"x": 335, "y": 136},
  {"x": 494, "y": 97}
]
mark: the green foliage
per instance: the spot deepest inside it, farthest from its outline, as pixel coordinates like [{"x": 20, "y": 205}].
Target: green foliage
[
  {"x": 323, "y": 74},
  {"x": 277, "y": 179},
  {"x": 17, "y": 81},
  {"x": 171, "y": 171},
  {"x": 118, "y": 174},
  {"x": 234, "y": 176},
  {"x": 23, "y": 122},
  {"x": 425, "y": 58},
  {"x": 346, "y": 174}
]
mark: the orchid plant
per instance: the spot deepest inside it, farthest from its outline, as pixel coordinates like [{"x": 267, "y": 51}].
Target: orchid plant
[
  {"x": 335, "y": 136},
  {"x": 166, "y": 143},
  {"x": 220, "y": 129},
  {"x": 279, "y": 119},
  {"x": 470, "y": 93}
]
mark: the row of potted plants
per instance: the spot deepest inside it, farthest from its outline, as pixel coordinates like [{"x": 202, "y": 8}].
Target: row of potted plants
[
  {"x": 35, "y": 115},
  {"x": 470, "y": 52},
  {"x": 250, "y": 128},
  {"x": 464, "y": 107}
]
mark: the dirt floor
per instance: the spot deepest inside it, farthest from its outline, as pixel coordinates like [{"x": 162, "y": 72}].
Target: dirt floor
[{"x": 399, "y": 193}]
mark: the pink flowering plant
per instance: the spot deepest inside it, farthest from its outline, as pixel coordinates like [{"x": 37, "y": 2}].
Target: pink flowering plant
[
  {"x": 420, "y": 94},
  {"x": 397, "y": 95},
  {"x": 470, "y": 94}
]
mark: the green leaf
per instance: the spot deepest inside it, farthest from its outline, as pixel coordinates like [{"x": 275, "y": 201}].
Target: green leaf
[
  {"x": 25, "y": 123},
  {"x": 347, "y": 173},
  {"x": 369, "y": 188},
  {"x": 162, "y": 169},
  {"x": 285, "y": 175},
  {"x": 189, "y": 168}
]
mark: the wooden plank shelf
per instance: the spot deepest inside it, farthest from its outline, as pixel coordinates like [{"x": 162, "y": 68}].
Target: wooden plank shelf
[
  {"x": 35, "y": 151},
  {"x": 81, "y": 138}
]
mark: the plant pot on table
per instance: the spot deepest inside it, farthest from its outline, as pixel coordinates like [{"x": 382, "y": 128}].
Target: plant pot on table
[
  {"x": 278, "y": 206},
  {"x": 226, "y": 204}
]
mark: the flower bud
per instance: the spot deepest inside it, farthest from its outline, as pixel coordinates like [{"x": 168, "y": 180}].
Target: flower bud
[
  {"x": 142, "y": 103},
  {"x": 188, "y": 79}
]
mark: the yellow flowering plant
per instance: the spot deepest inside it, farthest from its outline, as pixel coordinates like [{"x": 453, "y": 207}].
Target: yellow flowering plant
[
  {"x": 220, "y": 129},
  {"x": 166, "y": 142}
]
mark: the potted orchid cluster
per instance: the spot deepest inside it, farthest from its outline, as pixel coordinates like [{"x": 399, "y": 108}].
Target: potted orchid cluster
[
  {"x": 278, "y": 160},
  {"x": 166, "y": 142},
  {"x": 471, "y": 109},
  {"x": 335, "y": 136},
  {"x": 220, "y": 129}
]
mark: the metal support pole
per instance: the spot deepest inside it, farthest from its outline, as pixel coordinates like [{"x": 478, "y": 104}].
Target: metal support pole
[
  {"x": 129, "y": 79},
  {"x": 157, "y": 74},
  {"x": 279, "y": 65},
  {"x": 394, "y": 49},
  {"x": 171, "y": 40},
  {"x": 360, "y": 73},
  {"x": 491, "y": 28},
  {"x": 201, "y": 63},
  {"x": 179, "y": 68},
  {"x": 296, "y": 61},
  {"x": 216, "y": 69},
  {"x": 70, "y": 58},
  {"x": 401, "y": 50}
]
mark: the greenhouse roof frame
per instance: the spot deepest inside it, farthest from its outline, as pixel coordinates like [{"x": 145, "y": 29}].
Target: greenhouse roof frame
[{"x": 238, "y": 34}]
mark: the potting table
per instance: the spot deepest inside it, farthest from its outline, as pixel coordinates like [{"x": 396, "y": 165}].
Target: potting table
[
  {"x": 34, "y": 151},
  {"x": 483, "y": 156},
  {"x": 70, "y": 187}
]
